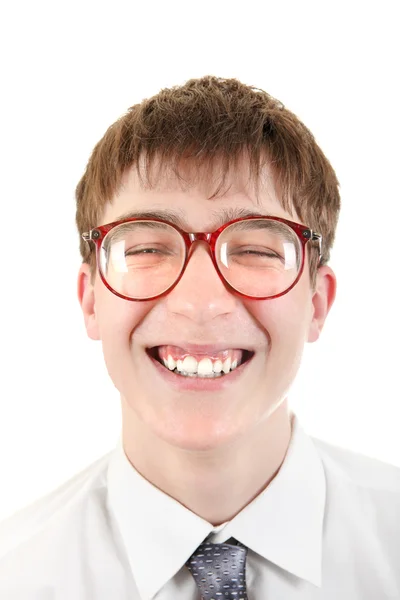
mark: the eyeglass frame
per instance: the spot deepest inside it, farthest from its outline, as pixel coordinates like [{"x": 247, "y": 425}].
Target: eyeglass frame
[{"x": 305, "y": 234}]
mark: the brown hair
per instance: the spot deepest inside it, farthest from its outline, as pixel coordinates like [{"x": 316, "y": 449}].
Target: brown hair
[{"x": 212, "y": 121}]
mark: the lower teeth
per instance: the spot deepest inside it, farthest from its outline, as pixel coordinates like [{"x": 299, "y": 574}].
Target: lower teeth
[{"x": 208, "y": 376}]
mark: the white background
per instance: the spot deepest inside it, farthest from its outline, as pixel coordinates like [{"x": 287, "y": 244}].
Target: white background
[{"x": 68, "y": 70}]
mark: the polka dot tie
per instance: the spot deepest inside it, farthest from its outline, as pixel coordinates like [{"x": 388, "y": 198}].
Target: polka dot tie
[{"x": 219, "y": 571}]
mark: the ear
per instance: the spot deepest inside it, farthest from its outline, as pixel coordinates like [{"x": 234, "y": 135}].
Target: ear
[
  {"x": 322, "y": 300},
  {"x": 86, "y": 299}
]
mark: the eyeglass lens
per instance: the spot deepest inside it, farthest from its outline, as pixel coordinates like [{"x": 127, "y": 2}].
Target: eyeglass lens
[{"x": 257, "y": 257}]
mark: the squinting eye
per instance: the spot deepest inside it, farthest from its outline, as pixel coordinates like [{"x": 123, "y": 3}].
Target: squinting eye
[
  {"x": 258, "y": 253},
  {"x": 142, "y": 251}
]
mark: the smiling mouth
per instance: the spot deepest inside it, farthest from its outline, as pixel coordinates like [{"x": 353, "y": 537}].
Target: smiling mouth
[{"x": 200, "y": 366}]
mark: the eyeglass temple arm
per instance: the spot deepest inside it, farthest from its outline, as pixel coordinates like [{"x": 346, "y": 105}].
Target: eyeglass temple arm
[
  {"x": 87, "y": 235},
  {"x": 318, "y": 238}
]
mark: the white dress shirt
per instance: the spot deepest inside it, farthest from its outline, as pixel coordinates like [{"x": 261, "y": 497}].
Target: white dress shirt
[{"x": 327, "y": 527}]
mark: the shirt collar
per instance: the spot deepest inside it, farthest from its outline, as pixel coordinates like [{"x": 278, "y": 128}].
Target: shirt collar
[{"x": 284, "y": 523}]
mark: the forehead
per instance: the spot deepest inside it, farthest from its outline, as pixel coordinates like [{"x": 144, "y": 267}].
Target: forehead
[{"x": 190, "y": 200}]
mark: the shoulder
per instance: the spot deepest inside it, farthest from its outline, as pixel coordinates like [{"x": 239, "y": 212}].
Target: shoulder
[
  {"x": 362, "y": 495},
  {"x": 37, "y": 533},
  {"x": 361, "y": 470}
]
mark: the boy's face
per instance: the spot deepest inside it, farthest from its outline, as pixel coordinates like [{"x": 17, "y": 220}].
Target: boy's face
[{"x": 201, "y": 310}]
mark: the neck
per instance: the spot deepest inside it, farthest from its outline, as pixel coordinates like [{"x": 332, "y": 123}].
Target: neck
[{"x": 207, "y": 482}]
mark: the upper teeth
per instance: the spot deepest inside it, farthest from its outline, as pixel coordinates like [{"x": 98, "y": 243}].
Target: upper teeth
[{"x": 203, "y": 367}]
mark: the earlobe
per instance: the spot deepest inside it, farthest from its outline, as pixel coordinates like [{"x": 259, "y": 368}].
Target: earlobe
[
  {"x": 322, "y": 300},
  {"x": 86, "y": 299}
]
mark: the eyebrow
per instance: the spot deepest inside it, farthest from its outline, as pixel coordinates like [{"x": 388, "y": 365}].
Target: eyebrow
[{"x": 220, "y": 216}]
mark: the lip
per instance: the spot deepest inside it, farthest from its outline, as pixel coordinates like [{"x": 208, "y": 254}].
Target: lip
[{"x": 181, "y": 383}]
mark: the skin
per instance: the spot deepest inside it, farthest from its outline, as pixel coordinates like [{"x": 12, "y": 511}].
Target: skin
[{"x": 195, "y": 446}]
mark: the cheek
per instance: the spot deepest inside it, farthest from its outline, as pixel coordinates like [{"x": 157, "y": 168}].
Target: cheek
[
  {"x": 284, "y": 324},
  {"x": 117, "y": 320},
  {"x": 284, "y": 320}
]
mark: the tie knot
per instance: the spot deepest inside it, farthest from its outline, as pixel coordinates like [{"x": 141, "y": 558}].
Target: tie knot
[{"x": 219, "y": 571}]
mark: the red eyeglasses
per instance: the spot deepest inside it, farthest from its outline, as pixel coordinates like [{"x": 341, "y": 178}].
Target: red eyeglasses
[{"x": 256, "y": 257}]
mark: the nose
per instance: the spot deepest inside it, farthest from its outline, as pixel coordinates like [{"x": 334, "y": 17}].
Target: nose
[{"x": 200, "y": 294}]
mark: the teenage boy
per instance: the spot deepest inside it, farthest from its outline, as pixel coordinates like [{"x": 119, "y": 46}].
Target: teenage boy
[{"x": 206, "y": 216}]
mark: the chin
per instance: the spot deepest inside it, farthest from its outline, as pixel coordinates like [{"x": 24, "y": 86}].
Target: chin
[{"x": 197, "y": 434}]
